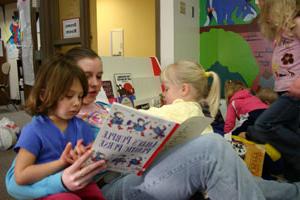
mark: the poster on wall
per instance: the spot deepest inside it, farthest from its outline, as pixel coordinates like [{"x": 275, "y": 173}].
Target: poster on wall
[
  {"x": 13, "y": 42},
  {"x": 217, "y": 12}
]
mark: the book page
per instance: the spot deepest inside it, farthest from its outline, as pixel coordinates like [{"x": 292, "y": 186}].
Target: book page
[
  {"x": 188, "y": 130},
  {"x": 130, "y": 139}
]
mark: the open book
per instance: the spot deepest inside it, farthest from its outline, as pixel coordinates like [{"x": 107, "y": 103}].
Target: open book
[{"x": 130, "y": 139}]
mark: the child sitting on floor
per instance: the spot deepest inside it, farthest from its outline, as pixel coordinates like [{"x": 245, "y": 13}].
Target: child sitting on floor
[{"x": 241, "y": 106}]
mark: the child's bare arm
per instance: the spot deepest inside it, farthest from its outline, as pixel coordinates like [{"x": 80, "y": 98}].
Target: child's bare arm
[{"x": 26, "y": 172}]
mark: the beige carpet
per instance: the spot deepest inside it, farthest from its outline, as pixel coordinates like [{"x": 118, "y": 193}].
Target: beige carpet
[{"x": 20, "y": 118}]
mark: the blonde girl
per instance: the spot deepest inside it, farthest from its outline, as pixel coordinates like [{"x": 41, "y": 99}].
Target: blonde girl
[
  {"x": 280, "y": 22},
  {"x": 185, "y": 87}
]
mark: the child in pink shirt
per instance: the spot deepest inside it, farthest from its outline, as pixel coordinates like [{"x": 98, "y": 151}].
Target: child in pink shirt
[{"x": 242, "y": 106}]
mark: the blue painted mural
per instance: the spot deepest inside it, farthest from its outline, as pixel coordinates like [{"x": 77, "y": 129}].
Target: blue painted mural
[{"x": 227, "y": 12}]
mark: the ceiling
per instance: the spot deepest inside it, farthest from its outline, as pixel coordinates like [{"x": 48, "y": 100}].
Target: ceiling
[{"x": 2, "y": 2}]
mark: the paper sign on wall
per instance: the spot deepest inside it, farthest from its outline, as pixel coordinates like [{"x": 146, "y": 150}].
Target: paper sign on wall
[{"x": 71, "y": 28}]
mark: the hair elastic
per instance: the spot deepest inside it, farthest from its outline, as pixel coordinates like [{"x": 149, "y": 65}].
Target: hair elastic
[{"x": 206, "y": 74}]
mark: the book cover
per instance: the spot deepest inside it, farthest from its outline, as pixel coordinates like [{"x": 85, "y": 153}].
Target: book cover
[
  {"x": 108, "y": 89},
  {"x": 125, "y": 89},
  {"x": 253, "y": 154},
  {"x": 130, "y": 139},
  {"x": 124, "y": 84}
]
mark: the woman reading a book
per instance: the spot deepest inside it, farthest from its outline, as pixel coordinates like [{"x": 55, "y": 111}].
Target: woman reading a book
[{"x": 207, "y": 163}]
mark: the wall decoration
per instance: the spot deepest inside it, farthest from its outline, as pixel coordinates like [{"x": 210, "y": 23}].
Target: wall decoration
[
  {"x": 227, "y": 12},
  {"x": 220, "y": 48},
  {"x": 15, "y": 37},
  {"x": 233, "y": 46},
  {"x": 71, "y": 28}
]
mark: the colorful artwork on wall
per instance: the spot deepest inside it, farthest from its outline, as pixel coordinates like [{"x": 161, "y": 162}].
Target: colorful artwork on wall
[
  {"x": 232, "y": 46},
  {"x": 227, "y": 12},
  {"x": 228, "y": 54},
  {"x": 244, "y": 56},
  {"x": 15, "y": 37}
]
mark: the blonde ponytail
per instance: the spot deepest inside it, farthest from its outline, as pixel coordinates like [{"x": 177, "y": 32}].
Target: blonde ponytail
[{"x": 213, "y": 97}]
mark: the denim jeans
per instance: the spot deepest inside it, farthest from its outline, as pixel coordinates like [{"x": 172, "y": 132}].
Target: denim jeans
[
  {"x": 273, "y": 190},
  {"x": 281, "y": 118},
  {"x": 279, "y": 126},
  {"x": 207, "y": 163}
]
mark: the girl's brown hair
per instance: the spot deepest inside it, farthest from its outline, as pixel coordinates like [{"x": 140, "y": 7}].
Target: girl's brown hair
[
  {"x": 53, "y": 81},
  {"x": 267, "y": 95},
  {"x": 78, "y": 53},
  {"x": 231, "y": 87}
]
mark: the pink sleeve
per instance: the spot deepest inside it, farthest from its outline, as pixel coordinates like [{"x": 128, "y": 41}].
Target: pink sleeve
[{"x": 230, "y": 119}]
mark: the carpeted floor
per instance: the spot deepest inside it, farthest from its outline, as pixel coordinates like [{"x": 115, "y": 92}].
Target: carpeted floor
[
  {"x": 20, "y": 118},
  {"x": 5, "y": 159}
]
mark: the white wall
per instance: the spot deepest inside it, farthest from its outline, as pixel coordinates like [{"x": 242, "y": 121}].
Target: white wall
[
  {"x": 186, "y": 31},
  {"x": 166, "y": 32},
  {"x": 179, "y": 31}
]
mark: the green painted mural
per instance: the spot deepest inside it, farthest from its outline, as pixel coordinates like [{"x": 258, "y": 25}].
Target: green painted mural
[
  {"x": 231, "y": 43},
  {"x": 230, "y": 50}
]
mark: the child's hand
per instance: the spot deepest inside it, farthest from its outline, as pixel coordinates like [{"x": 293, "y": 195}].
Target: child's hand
[
  {"x": 80, "y": 149},
  {"x": 66, "y": 157},
  {"x": 69, "y": 155}
]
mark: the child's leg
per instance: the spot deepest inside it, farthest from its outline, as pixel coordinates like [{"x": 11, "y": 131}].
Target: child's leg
[
  {"x": 63, "y": 195},
  {"x": 278, "y": 126},
  {"x": 253, "y": 115},
  {"x": 281, "y": 117},
  {"x": 279, "y": 190},
  {"x": 205, "y": 163},
  {"x": 90, "y": 192}
]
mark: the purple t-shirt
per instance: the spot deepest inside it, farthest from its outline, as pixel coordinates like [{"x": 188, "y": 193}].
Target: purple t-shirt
[
  {"x": 43, "y": 139},
  {"x": 286, "y": 62}
]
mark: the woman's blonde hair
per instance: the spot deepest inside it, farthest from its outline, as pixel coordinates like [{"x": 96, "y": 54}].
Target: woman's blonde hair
[
  {"x": 277, "y": 16},
  {"x": 194, "y": 74},
  {"x": 231, "y": 87}
]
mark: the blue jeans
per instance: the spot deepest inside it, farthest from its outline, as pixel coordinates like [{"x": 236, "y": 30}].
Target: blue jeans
[
  {"x": 207, "y": 163},
  {"x": 273, "y": 190},
  {"x": 279, "y": 126}
]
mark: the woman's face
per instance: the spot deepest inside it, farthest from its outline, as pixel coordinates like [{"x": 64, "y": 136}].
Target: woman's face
[{"x": 93, "y": 71}]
